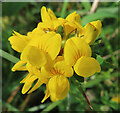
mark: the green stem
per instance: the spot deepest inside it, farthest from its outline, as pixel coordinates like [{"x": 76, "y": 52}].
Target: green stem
[
  {"x": 8, "y": 56},
  {"x": 81, "y": 90},
  {"x": 64, "y": 9}
]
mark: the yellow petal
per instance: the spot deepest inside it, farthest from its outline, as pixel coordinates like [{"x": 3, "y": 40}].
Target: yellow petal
[
  {"x": 116, "y": 99},
  {"x": 37, "y": 32},
  {"x": 34, "y": 56},
  {"x": 58, "y": 58},
  {"x": 98, "y": 26},
  {"x": 57, "y": 23},
  {"x": 28, "y": 84},
  {"x": 32, "y": 69},
  {"x": 92, "y": 31},
  {"x": 60, "y": 89},
  {"x": 49, "y": 63},
  {"x": 75, "y": 48},
  {"x": 20, "y": 65},
  {"x": 53, "y": 45},
  {"x": 61, "y": 68},
  {"x": 87, "y": 66},
  {"x": 47, "y": 94},
  {"x": 45, "y": 16},
  {"x": 73, "y": 17},
  {"x": 51, "y": 14},
  {"x": 50, "y": 43},
  {"x": 69, "y": 28},
  {"x": 45, "y": 26},
  {"x": 36, "y": 86},
  {"x": 18, "y": 41},
  {"x": 24, "y": 80}
]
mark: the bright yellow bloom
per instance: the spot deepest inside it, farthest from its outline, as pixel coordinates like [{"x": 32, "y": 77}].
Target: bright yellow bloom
[
  {"x": 73, "y": 22},
  {"x": 49, "y": 20},
  {"x": 19, "y": 41},
  {"x": 58, "y": 85},
  {"x": 116, "y": 99},
  {"x": 41, "y": 49},
  {"x": 92, "y": 31},
  {"x": 77, "y": 53}
]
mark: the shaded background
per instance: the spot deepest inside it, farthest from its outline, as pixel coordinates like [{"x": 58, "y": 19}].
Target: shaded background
[{"x": 102, "y": 89}]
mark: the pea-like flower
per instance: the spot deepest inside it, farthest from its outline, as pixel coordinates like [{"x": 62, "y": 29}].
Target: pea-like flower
[
  {"x": 77, "y": 53},
  {"x": 58, "y": 85},
  {"x": 92, "y": 31},
  {"x": 49, "y": 21},
  {"x": 43, "y": 58}
]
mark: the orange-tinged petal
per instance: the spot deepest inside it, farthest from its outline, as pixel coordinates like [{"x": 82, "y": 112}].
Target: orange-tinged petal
[
  {"x": 75, "y": 48},
  {"x": 61, "y": 68},
  {"x": 87, "y": 66},
  {"x": 98, "y": 26}
]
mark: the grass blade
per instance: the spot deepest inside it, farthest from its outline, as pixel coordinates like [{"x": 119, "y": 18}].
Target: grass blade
[
  {"x": 8, "y": 56},
  {"x": 51, "y": 106}
]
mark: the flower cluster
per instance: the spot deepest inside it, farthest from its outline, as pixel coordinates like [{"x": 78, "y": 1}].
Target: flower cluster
[{"x": 50, "y": 57}]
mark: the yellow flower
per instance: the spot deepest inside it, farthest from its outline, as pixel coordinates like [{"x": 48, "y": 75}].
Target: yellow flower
[
  {"x": 73, "y": 22},
  {"x": 49, "y": 20},
  {"x": 116, "y": 99},
  {"x": 77, "y": 53},
  {"x": 29, "y": 80},
  {"x": 41, "y": 49},
  {"x": 58, "y": 85},
  {"x": 92, "y": 31},
  {"x": 19, "y": 41}
]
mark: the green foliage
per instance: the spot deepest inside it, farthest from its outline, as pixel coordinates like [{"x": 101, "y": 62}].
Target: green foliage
[{"x": 100, "y": 88}]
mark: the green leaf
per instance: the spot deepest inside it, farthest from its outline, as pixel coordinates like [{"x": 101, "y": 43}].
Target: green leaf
[
  {"x": 97, "y": 16},
  {"x": 8, "y": 56},
  {"x": 100, "y": 59},
  {"x": 108, "y": 9},
  {"x": 10, "y": 107}
]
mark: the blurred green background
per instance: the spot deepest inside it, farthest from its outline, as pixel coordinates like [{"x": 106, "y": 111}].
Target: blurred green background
[{"x": 101, "y": 89}]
